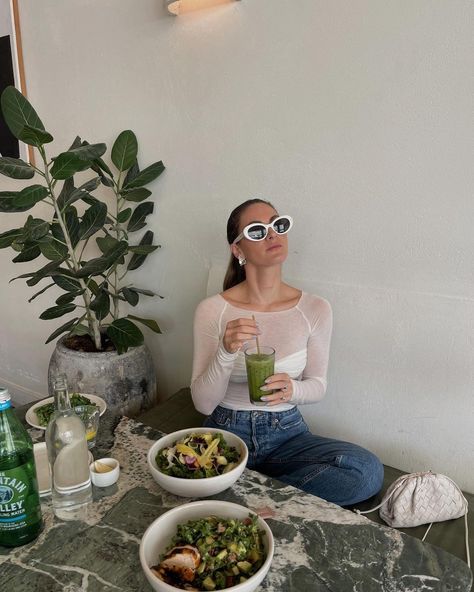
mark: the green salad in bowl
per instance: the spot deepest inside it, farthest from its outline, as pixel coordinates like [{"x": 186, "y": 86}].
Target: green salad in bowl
[
  {"x": 44, "y": 412},
  {"x": 197, "y": 462},
  {"x": 197, "y": 456},
  {"x": 207, "y": 545},
  {"x": 212, "y": 553}
]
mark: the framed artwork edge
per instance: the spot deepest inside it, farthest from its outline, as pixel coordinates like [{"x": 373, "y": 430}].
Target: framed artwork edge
[{"x": 26, "y": 151}]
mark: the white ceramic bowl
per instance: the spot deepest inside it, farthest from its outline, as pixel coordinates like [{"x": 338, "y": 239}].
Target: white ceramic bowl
[
  {"x": 158, "y": 536},
  {"x": 108, "y": 478},
  {"x": 197, "y": 487}
]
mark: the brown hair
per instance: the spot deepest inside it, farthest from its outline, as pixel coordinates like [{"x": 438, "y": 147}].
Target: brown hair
[{"x": 235, "y": 272}]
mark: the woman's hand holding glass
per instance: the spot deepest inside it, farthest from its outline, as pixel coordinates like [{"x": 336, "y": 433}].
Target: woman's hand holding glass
[
  {"x": 282, "y": 387},
  {"x": 238, "y": 332}
]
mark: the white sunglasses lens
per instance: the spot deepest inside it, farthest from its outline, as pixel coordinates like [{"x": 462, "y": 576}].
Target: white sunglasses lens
[
  {"x": 257, "y": 232},
  {"x": 281, "y": 225}
]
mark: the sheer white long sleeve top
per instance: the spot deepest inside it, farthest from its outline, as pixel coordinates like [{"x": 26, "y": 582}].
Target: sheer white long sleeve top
[{"x": 300, "y": 335}]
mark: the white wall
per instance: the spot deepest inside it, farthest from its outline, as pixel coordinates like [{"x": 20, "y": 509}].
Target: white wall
[{"x": 355, "y": 116}]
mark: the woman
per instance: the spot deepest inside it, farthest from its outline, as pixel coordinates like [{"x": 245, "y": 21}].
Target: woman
[{"x": 298, "y": 325}]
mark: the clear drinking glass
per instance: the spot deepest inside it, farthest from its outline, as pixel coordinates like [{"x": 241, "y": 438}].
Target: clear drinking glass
[
  {"x": 90, "y": 418},
  {"x": 260, "y": 364}
]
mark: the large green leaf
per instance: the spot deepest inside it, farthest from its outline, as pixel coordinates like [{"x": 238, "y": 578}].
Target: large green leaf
[
  {"x": 68, "y": 164},
  {"x": 93, "y": 267},
  {"x": 143, "y": 249},
  {"x": 29, "y": 252},
  {"x": 66, "y": 283},
  {"x": 31, "y": 195},
  {"x": 54, "y": 250},
  {"x": 137, "y": 260},
  {"x": 150, "y": 323},
  {"x": 136, "y": 195},
  {"x": 57, "y": 232},
  {"x": 90, "y": 185},
  {"x": 7, "y": 202},
  {"x": 100, "y": 264},
  {"x": 105, "y": 180},
  {"x": 146, "y": 292},
  {"x": 34, "y": 229},
  {"x": 66, "y": 298},
  {"x": 89, "y": 199},
  {"x": 117, "y": 252},
  {"x": 46, "y": 271},
  {"x": 93, "y": 286},
  {"x": 35, "y": 136},
  {"x": 18, "y": 112},
  {"x": 130, "y": 296},
  {"x": 42, "y": 291},
  {"x": 105, "y": 243},
  {"x": 62, "y": 329},
  {"x": 147, "y": 175},
  {"x": 101, "y": 304},
  {"x": 93, "y": 219},
  {"x": 132, "y": 173},
  {"x": 8, "y": 237},
  {"x": 16, "y": 168},
  {"x": 98, "y": 165},
  {"x": 138, "y": 219},
  {"x": 56, "y": 311},
  {"x": 124, "y": 150},
  {"x": 81, "y": 330},
  {"x": 65, "y": 193},
  {"x": 69, "y": 194},
  {"x": 76, "y": 143},
  {"x": 124, "y": 334},
  {"x": 124, "y": 215},
  {"x": 88, "y": 152},
  {"x": 72, "y": 224}
]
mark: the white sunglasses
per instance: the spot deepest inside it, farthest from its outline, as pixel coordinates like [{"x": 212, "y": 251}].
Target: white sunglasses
[{"x": 257, "y": 231}]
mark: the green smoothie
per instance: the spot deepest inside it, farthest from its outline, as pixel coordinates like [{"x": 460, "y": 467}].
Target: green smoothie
[{"x": 260, "y": 365}]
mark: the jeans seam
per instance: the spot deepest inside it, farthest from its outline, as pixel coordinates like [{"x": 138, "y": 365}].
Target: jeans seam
[{"x": 313, "y": 474}]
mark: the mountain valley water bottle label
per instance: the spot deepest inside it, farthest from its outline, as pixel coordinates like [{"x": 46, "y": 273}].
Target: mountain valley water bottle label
[{"x": 17, "y": 499}]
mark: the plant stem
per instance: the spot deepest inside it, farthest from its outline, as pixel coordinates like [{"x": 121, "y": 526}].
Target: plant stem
[
  {"x": 117, "y": 236},
  {"x": 91, "y": 318}
]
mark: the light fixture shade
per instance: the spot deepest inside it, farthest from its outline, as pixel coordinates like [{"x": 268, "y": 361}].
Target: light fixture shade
[{"x": 182, "y": 6}]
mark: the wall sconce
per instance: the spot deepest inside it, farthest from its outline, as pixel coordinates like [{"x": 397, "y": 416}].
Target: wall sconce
[{"x": 181, "y": 6}]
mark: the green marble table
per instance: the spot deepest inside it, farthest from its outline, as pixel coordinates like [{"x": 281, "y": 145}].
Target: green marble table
[{"x": 319, "y": 546}]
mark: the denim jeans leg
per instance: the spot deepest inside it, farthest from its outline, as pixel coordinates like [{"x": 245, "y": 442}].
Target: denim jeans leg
[
  {"x": 281, "y": 446},
  {"x": 337, "y": 471}
]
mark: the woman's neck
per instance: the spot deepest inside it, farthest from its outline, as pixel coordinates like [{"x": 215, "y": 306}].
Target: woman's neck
[
  {"x": 265, "y": 287},
  {"x": 263, "y": 292}
]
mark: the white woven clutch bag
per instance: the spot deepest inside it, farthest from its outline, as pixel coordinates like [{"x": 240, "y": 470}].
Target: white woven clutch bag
[{"x": 422, "y": 498}]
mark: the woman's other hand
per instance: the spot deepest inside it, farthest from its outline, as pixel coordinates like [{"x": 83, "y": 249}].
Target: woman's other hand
[
  {"x": 282, "y": 386},
  {"x": 238, "y": 332}
]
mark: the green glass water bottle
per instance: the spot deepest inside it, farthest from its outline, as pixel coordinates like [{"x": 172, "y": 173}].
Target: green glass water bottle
[{"x": 20, "y": 509}]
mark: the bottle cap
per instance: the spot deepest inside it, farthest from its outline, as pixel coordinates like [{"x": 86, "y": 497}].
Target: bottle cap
[
  {"x": 4, "y": 399},
  {"x": 4, "y": 394}
]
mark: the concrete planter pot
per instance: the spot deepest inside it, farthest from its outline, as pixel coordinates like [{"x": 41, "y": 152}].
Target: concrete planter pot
[{"x": 127, "y": 382}]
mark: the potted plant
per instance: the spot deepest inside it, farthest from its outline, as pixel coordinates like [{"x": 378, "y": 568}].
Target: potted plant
[{"x": 85, "y": 249}]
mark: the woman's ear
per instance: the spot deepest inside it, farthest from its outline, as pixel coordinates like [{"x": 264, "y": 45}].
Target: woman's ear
[{"x": 235, "y": 251}]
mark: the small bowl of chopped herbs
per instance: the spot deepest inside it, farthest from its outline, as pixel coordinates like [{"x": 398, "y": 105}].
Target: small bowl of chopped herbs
[
  {"x": 207, "y": 545},
  {"x": 197, "y": 462}
]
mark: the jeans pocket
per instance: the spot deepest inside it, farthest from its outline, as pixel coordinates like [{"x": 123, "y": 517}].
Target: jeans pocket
[
  {"x": 220, "y": 418},
  {"x": 290, "y": 422}
]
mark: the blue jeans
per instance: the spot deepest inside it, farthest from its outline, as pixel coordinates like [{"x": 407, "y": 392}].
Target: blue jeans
[{"x": 281, "y": 446}]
